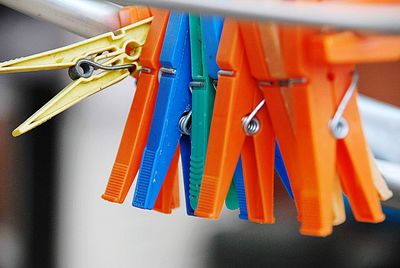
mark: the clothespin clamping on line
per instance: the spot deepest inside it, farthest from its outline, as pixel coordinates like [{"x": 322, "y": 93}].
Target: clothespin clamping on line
[
  {"x": 94, "y": 64},
  {"x": 325, "y": 134},
  {"x": 262, "y": 49},
  {"x": 171, "y": 121},
  {"x": 240, "y": 126},
  {"x": 205, "y": 35},
  {"x": 138, "y": 122}
]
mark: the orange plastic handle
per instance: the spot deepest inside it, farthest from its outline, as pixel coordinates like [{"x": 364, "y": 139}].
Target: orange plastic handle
[
  {"x": 352, "y": 48},
  {"x": 168, "y": 198},
  {"x": 312, "y": 108},
  {"x": 277, "y": 115},
  {"x": 353, "y": 163},
  {"x": 258, "y": 169},
  {"x": 137, "y": 126},
  {"x": 236, "y": 97}
]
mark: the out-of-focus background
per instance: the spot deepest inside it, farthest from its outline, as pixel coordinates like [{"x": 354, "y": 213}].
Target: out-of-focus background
[{"x": 52, "y": 178}]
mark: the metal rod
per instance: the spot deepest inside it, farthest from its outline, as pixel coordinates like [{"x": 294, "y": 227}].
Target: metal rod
[
  {"x": 86, "y": 18},
  {"x": 372, "y": 17}
]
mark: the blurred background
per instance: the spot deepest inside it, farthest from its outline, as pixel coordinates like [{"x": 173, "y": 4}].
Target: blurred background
[{"x": 52, "y": 178}]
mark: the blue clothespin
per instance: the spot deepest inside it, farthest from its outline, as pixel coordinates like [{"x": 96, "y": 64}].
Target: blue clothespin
[
  {"x": 240, "y": 191},
  {"x": 211, "y": 28},
  {"x": 173, "y": 104},
  {"x": 211, "y": 34},
  {"x": 281, "y": 170}
]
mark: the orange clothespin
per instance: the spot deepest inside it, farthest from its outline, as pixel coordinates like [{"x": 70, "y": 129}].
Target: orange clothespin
[
  {"x": 168, "y": 198},
  {"x": 309, "y": 90},
  {"x": 137, "y": 126},
  {"x": 255, "y": 44},
  {"x": 240, "y": 124},
  {"x": 280, "y": 105},
  {"x": 339, "y": 50}
]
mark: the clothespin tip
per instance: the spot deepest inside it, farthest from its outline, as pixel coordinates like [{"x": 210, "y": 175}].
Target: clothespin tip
[{"x": 16, "y": 132}]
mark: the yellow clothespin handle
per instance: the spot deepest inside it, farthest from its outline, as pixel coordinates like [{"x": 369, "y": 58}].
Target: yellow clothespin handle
[
  {"x": 115, "y": 43},
  {"x": 74, "y": 93}
]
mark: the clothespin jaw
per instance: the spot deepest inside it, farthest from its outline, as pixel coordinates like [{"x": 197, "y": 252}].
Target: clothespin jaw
[
  {"x": 117, "y": 53},
  {"x": 138, "y": 123},
  {"x": 132, "y": 14},
  {"x": 351, "y": 48},
  {"x": 173, "y": 101},
  {"x": 237, "y": 95}
]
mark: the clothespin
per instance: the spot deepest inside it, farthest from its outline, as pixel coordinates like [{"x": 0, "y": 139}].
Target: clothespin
[
  {"x": 115, "y": 54},
  {"x": 339, "y": 50},
  {"x": 137, "y": 125},
  {"x": 204, "y": 39},
  {"x": 203, "y": 95},
  {"x": 277, "y": 103},
  {"x": 329, "y": 150},
  {"x": 240, "y": 125},
  {"x": 213, "y": 28},
  {"x": 171, "y": 119}
]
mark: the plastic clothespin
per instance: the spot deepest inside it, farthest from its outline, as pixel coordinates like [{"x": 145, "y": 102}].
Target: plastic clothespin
[
  {"x": 137, "y": 125},
  {"x": 114, "y": 53},
  {"x": 338, "y": 49},
  {"x": 211, "y": 27},
  {"x": 311, "y": 111},
  {"x": 281, "y": 117},
  {"x": 170, "y": 118},
  {"x": 203, "y": 51},
  {"x": 240, "y": 125},
  {"x": 203, "y": 95},
  {"x": 212, "y": 31}
]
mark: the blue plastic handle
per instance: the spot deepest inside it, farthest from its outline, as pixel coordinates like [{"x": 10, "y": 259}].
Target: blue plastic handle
[
  {"x": 281, "y": 170},
  {"x": 212, "y": 29},
  {"x": 240, "y": 191},
  {"x": 173, "y": 100},
  {"x": 185, "y": 156}
]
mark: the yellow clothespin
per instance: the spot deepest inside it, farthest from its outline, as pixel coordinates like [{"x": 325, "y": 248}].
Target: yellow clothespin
[{"x": 114, "y": 53}]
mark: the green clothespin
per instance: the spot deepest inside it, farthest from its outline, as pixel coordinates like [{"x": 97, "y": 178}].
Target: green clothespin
[{"x": 203, "y": 94}]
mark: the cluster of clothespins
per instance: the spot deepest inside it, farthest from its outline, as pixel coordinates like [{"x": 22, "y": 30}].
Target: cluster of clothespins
[{"x": 234, "y": 100}]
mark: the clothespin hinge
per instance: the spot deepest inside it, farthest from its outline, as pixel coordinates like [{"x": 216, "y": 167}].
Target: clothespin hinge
[
  {"x": 283, "y": 82},
  {"x": 339, "y": 125},
  {"x": 250, "y": 123},
  {"x": 195, "y": 84},
  {"x": 226, "y": 72}
]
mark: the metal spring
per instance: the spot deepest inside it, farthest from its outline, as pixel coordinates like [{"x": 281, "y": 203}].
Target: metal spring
[
  {"x": 250, "y": 123},
  {"x": 252, "y": 127},
  {"x": 185, "y": 123},
  {"x": 338, "y": 124}
]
